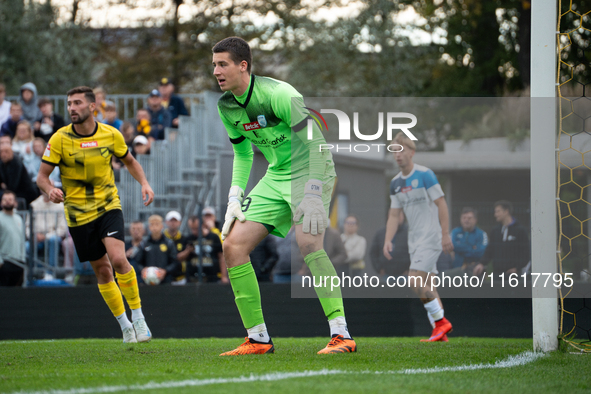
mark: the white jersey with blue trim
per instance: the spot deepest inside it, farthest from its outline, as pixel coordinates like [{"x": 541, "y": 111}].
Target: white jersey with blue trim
[{"x": 415, "y": 194}]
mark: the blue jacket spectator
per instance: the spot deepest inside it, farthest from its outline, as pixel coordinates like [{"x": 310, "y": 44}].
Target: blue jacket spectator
[
  {"x": 110, "y": 116},
  {"x": 469, "y": 241},
  {"x": 159, "y": 116}
]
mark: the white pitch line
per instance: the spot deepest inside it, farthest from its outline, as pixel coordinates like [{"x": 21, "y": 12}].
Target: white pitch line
[{"x": 509, "y": 362}]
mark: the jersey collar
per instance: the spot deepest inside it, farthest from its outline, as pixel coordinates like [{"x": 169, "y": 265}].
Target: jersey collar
[
  {"x": 410, "y": 173},
  {"x": 85, "y": 136},
  {"x": 248, "y": 93}
]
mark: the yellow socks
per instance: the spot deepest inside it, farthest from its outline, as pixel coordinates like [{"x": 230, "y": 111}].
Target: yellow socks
[
  {"x": 128, "y": 284},
  {"x": 112, "y": 296}
]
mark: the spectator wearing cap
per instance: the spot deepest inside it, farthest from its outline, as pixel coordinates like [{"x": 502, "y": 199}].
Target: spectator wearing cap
[
  {"x": 141, "y": 145},
  {"x": 111, "y": 115},
  {"x": 159, "y": 116},
  {"x": 50, "y": 121},
  {"x": 171, "y": 101},
  {"x": 209, "y": 221},
  {"x": 173, "y": 221}
]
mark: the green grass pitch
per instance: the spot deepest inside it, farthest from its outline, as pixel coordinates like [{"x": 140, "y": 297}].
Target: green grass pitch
[{"x": 402, "y": 365}]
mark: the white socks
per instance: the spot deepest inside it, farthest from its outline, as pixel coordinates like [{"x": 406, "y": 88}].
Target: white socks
[
  {"x": 434, "y": 310},
  {"x": 136, "y": 314},
  {"x": 338, "y": 326},
  {"x": 259, "y": 333},
  {"x": 123, "y": 321}
]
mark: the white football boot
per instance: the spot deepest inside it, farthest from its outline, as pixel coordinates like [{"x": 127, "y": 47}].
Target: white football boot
[
  {"x": 129, "y": 335},
  {"x": 142, "y": 331}
]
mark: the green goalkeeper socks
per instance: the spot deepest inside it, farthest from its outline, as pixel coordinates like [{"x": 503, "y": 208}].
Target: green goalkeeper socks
[
  {"x": 247, "y": 294},
  {"x": 332, "y": 301}
]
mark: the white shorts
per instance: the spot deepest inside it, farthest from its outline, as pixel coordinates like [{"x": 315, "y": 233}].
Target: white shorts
[{"x": 425, "y": 260}]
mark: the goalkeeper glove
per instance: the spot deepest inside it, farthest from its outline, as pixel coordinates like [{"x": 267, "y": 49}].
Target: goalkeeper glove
[
  {"x": 312, "y": 208},
  {"x": 234, "y": 210}
]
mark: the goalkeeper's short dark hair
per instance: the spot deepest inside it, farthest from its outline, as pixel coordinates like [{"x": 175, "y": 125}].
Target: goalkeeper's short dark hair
[
  {"x": 506, "y": 205},
  {"x": 238, "y": 49}
]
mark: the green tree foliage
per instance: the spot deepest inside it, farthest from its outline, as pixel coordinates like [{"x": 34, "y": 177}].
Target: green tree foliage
[
  {"x": 486, "y": 45},
  {"x": 33, "y": 48}
]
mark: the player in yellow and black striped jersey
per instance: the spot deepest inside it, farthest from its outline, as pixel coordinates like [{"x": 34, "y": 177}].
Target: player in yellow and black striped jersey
[
  {"x": 83, "y": 152},
  {"x": 85, "y": 167}
]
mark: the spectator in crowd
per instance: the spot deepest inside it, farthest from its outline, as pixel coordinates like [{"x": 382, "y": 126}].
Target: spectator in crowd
[
  {"x": 16, "y": 115},
  {"x": 100, "y": 98},
  {"x": 14, "y": 176},
  {"x": 50, "y": 122},
  {"x": 173, "y": 224},
  {"x": 173, "y": 103},
  {"x": 12, "y": 242},
  {"x": 5, "y": 140},
  {"x": 283, "y": 268},
  {"x": 28, "y": 101},
  {"x": 509, "y": 247},
  {"x": 159, "y": 116},
  {"x": 400, "y": 262},
  {"x": 210, "y": 252},
  {"x": 129, "y": 134},
  {"x": 141, "y": 145},
  {"x": 156, "y": 250},
  {"x": 39, "y": 146},
  {"x": 34, "y": 163},
  {"x": 264, "y": 257},
  {"x": 334, "y": 247},
  {"x": 137, "y": 230},
  {"x": 49, "y": 227},
  {"x": 128, "y": 131},
  {"x": 209, "y": 219},
  {"x": 469, "y": 244},
  {"x": 142, "y": 121},
  {"x": 111, "y": 115},
  {"x": 355, "y": 245},
  {"x": 4, "y": 105},
  {"x": 22, "y": 143}
]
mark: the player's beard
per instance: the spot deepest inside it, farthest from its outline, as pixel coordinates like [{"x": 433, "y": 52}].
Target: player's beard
[
  {"x": 8, "y": 208},
  {"x": 81, "y": 118}
]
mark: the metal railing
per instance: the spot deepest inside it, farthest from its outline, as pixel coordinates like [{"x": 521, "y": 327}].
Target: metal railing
[
  {"x": 52, "y": 224},
  {"x": 127, "y": 104},
  {"x": 183, "y": 169}
]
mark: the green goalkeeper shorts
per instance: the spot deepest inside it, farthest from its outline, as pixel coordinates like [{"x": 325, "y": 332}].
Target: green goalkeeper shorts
[{"x": 273, "y": 203}]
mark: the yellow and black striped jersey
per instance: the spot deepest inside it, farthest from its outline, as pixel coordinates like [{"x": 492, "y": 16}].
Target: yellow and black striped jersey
[{"x": 85, "y": 167}]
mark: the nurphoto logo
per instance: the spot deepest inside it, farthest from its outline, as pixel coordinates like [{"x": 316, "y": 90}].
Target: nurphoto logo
[{"x": 392, "y": 122}]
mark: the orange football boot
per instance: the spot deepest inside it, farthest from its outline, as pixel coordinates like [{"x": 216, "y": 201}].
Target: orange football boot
[
  {"x": 251, "y": 347},
  {"x": 338, "y": 344}
]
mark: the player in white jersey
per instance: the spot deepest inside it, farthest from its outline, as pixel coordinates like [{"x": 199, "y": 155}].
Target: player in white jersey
[{"x": 416, "y": 191}]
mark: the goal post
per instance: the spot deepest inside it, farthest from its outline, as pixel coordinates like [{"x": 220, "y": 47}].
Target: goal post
[{"x": 543, "y": 171}]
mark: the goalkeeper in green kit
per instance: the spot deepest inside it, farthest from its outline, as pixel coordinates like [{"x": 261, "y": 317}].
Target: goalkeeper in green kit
[{"x": 296, "y": 187}]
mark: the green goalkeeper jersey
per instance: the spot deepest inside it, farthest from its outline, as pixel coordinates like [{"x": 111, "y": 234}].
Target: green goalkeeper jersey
[{"x": 272, "y": 116}]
